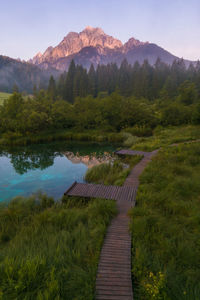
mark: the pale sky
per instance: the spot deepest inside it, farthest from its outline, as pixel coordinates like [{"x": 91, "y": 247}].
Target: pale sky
[{"x": 28, "y": 27}]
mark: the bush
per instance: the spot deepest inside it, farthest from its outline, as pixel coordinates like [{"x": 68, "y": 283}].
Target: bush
[{"x": 139, "y": 131}]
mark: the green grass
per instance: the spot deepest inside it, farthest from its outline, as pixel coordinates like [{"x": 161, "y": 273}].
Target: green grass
[
  {"x": 51, "y": 250},
  {"x": 3, "y": 97},
  {"x": 163, "y": 137},
  {"x": 160, "y": 138},
  {"x": 112, "y": 174},
  {"x": 165, "y": 227}
]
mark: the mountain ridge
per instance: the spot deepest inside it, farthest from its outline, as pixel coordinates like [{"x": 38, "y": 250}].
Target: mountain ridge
[
  {"x": 94, "y": 46},
  {"x": 73, "y": 43},
  {"x": 24, "y": 75}
]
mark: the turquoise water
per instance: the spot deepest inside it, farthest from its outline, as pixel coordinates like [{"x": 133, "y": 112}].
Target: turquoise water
[{"x": 45, "y": 168}]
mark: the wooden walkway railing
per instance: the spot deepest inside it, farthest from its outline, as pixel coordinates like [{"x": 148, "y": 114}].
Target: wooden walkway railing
[{"x": 113, "y": 280}]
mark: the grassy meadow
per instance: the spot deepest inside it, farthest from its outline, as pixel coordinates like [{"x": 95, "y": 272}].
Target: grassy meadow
[
  {"x": 161, "y": 137},
  {"x": 51, "y": 250},
  {"x": 3, "y": 97},
  {"x": 165, "y": 227}
]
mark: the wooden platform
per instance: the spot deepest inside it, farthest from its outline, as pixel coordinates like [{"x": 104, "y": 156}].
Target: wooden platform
[
  {"x": 114, "y": 280},
  {"x": 132, "y": 152},
  {"x": 87, "y": 190}
]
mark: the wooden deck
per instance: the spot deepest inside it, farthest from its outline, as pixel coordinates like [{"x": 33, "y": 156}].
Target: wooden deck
[
  {"x": 87, "y": 190},
  {"x": 132, "y": 152},
  {"x": 114, "y": 280}
]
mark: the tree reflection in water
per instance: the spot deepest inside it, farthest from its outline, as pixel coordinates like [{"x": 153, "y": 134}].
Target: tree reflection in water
[
  {"x": 26, "y": 159},
  {"x": 42, "y": 156}
]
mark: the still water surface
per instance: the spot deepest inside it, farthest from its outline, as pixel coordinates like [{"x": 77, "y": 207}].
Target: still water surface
[{"x": 26, "y": 170}]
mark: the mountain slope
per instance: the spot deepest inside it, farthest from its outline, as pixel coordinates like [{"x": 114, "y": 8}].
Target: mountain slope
[
  {"x": 22, "y": 74},
  {"x": 92, "y": 45}
]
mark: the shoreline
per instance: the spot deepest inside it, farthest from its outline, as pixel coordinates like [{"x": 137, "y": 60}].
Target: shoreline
[{"x": 19, "y": 140}]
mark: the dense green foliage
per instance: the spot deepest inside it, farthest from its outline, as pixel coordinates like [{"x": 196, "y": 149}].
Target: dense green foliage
[
  {"x": 165, "y": 227},
  {"x": 51, "y": 250},
  {"x": 22, "y": 117},
  {"x": 142, "y": 81},
  {"x": 40, "y": 113},
  {"x": 167, "y": 96}
]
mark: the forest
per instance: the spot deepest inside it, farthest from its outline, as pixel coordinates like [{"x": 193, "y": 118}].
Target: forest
[
  {"x": 108, "y": 99},
  {"x": 141, "y": 81}
]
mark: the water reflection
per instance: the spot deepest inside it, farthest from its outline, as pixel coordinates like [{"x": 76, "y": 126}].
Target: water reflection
[
  {"x": 25, "y": 170},
  {"x": 41, "y": 157},
  {"x": 89, "y": 160},
  {"x": 31, "y": 159}
]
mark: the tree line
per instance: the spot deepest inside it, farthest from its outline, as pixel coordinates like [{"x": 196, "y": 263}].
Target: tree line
[
  {"x": 111, "y": 113},
  {"x": 108, "y": 99},
  {"x": 150, "y": 82}
]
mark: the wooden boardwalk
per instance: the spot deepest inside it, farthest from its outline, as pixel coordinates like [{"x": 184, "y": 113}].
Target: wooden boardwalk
[
  {"x": 114, "y": 280},
  {"x": 132, "y": 152},
  {"x": 87, "y": 190}
]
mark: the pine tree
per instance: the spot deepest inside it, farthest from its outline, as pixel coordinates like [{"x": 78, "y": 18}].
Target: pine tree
[
  {"x": 92, "y": 84},
  {"x": 69, "y": 83},
  {"x": 52, "y": 88}
]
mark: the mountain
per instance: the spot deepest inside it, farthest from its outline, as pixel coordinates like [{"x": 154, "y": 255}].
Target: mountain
[
  {"x": 24, "y": 75},
  {"x": 93, "y": 46}
]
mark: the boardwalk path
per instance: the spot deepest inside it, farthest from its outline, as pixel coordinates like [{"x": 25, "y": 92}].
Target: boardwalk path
[{"x": 113, "y": 280}]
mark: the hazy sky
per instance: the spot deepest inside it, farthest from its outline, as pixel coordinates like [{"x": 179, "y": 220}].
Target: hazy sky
[{"x": 30, "y": 26}]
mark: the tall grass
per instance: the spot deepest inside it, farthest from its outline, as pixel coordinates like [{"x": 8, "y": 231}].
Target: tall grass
[
  {"x": 165, "y": 227},
  {"x": 162, "y": 137},
  {"x": 51, "y": 250},
  {"x": 112, "y": 173}
]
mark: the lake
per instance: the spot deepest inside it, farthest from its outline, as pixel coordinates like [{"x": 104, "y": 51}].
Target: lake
[{"x": 47, "y": 168}]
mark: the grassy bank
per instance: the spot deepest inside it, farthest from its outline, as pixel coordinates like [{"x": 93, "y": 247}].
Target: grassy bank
[
  {"x": 51, "y": 250},
  {"x": 128, "y": 138},
  {"x": 165, "y": 227},
  {"x": 112, "y": 174},
  {"x": 163, "y": 137}
]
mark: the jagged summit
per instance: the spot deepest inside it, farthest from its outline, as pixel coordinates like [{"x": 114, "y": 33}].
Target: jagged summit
[
  {"x": 94, "y": 46},
  {"x": 74, "y": 42},
  {"x": 93, "y": 30},
  {"x": 132, "y": 43}
]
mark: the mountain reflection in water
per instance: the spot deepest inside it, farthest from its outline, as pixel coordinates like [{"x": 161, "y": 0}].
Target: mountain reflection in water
[{"x": 51, "y": 168}]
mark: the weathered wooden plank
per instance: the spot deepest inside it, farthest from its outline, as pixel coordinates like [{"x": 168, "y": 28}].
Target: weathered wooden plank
[{"x": 71, "y": 187}]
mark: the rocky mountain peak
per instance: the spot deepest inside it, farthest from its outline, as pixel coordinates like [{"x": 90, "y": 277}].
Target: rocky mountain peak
[
  {"x": 132, "y": 43},
  {"x": 92, "y": 38},
  {"x": 36, "y": 58},
  {"x": 93, "y": 30},
  {"x": 74, "y": 42}
]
